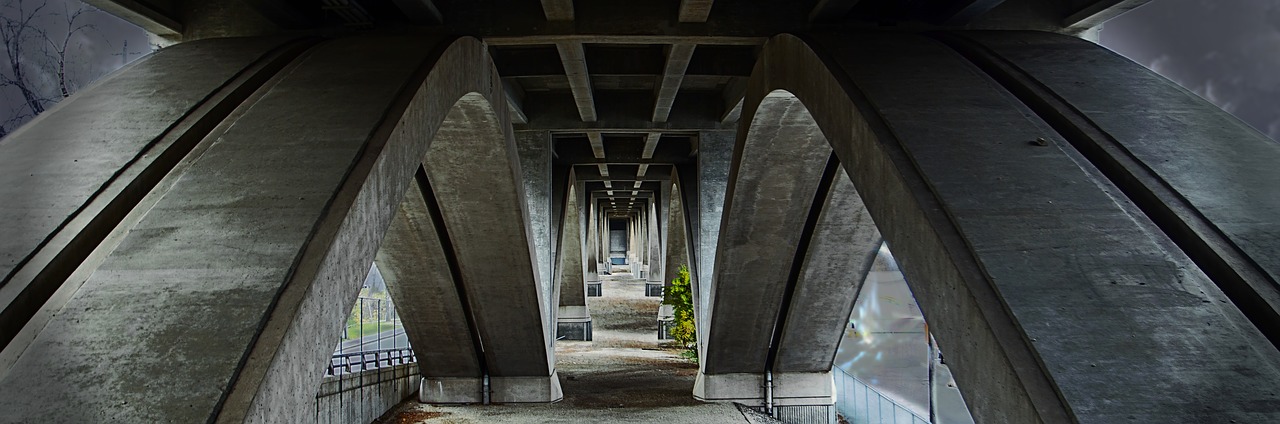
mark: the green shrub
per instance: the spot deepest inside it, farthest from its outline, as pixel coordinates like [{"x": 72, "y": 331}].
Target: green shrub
[{"x": 680, "y": 296}]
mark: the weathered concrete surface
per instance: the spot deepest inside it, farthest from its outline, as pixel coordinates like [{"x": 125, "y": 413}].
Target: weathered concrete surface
[
  {"x": 502, "y": 284},
  {"x": 653, "y": 248},
  {"x": 1055, "y": 300},
  {"x": 678, "y": 239},
  {"x": 418, "y": 273},
  {"x": 776, "y": 172},
  {"x": 363, "y": 397},
  {"x": 534, "y": 150},
  {"x": 842, "y": 247},
  {"x": 715, "y": 155},
  {"x": 71, "y": 175},
  {"x": 258, "y": 250},
  {"x": 573, "y": 312},
  {"x": 1208, "y": 179}
]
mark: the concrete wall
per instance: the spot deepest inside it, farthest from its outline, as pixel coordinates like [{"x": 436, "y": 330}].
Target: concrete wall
[{"x": 360, "y": 398}]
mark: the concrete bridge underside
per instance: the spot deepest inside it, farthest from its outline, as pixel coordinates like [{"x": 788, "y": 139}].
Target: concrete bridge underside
[{"x": 1089, "y": 242}]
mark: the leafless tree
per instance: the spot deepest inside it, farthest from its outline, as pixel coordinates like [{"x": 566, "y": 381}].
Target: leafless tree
[{"x": 37, "y": 44}]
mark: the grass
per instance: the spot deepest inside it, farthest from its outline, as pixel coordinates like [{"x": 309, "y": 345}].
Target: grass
[{"x": 369, "y": 328}]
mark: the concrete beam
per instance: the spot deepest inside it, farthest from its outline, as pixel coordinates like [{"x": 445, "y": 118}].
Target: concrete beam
[
  {"x": 575, "y": 68},
  {"x": 678, "y": 56},
  {"x": 420, "y": 12},
  {"x": 545, "y": 39},
  {"x": 966, "y": 11},
  {"x": 695, "y": 10},
  {"x": 1099, "y": 11},
  {"x": 597, "y": 145},
  {"x": 144, "y": 15},
  {"x": 558, "y": 10},
  {"x": 831, "y": 10}
]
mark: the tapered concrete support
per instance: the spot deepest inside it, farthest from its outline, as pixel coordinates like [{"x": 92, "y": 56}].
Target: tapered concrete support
[
  {"x": 653, "y": 282},
  {"x": 534, "y": 149},
  {"x": 433, "y": 307},
  {"x": 573, "y": 320},
  {"x": 715, "y": 155},
  {"x": 244, "y": 271},
  {"x": 1046, "y": 286}
]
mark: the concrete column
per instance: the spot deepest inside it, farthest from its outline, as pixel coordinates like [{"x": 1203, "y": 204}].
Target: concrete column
[
  {"x": 653, "y": 283},
  {"x": 573, "y": 320},
  {"x": 535, "y": 151},
  {"x": 715, "y": 152},
  {"x": 592, "y": 219},
  {"x": 416, "y": 268}
]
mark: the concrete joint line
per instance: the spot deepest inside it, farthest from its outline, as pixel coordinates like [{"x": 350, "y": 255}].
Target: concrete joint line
[
  {"x": 1037, "y": 384},
  {"x": 1233, "y": 271},
  {"x": 42, "y": 273}
]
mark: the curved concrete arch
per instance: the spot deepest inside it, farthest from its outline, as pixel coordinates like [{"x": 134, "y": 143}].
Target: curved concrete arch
[
  {"x": 1046, "y": 290},
  {"x": 225, "y": 298}
]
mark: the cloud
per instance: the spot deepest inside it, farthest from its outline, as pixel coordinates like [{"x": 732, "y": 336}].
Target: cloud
[{"x": 1226, "y": 51}]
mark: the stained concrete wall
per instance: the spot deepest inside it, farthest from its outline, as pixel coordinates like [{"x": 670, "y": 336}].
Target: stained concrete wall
[{"x": 363, "y": 397}]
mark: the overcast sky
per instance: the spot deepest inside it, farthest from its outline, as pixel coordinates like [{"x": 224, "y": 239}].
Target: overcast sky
[{"x": 1228, "y": 51}]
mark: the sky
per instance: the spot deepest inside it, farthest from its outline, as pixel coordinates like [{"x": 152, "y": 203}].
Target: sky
[{"x": 1227, "y": 51}]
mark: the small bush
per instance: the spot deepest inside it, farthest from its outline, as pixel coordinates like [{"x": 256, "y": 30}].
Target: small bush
[{"x": 680, "y": 296}]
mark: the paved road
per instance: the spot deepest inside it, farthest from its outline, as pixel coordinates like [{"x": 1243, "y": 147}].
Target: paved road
[{"x": 389, "y": 339}]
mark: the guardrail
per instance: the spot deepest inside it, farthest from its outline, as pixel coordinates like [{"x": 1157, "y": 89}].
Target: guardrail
[
  {"x": 342, "y": 363},
  {"x": 858, "y": 403}
]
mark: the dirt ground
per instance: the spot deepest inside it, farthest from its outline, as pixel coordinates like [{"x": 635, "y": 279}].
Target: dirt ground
[{"x": 625, "y": 375}]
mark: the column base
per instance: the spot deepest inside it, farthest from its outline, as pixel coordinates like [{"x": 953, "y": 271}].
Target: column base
[
  {"x": 595, "y": 289},
  {"x": 501, "y": 390},
  {"x": 653, "y": 288},
  {"x": 797, "y": 397},
  {"x": 666, "y": 320},
  {"x": 575, "y": 329}
]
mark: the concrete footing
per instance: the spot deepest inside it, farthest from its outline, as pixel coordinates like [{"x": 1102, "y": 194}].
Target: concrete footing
[
  {"x": 653, "y": 289},
  {"x": 797, "y": 397},
  {"x": 532, "y": 389},
  {"x": 573, "y": 323},
  {"x": 666, "y": 320},
  {"x": 573, "y": 330},
  {"x": 595, "y": 289}
]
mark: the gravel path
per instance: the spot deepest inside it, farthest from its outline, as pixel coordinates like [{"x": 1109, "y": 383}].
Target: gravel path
[{"x": 625, "y": 375}]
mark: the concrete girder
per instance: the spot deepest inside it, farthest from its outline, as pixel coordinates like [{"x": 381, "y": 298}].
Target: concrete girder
[
  {"x": 74, "y": 180},
  {"x": 1223, "y": 217},
  {"x": 143, "y": 14},
  {"x": 678, "y": 56},
  {"x": 257, "y": 250},
  {"x": 1046, "y": 289}
]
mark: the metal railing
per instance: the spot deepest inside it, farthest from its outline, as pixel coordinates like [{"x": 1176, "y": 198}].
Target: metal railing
[
  {"x": 343, "y": 363},
  {"x": 858, "y": 403}
]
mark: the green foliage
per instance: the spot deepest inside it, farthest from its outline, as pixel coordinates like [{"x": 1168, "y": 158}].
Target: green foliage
[{"x": 680, "y": 296}]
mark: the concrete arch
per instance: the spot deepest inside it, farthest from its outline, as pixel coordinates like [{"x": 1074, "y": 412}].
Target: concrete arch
[
  {"x": 224, "y": 298},
  {"x": 1046, "y": 290}
]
